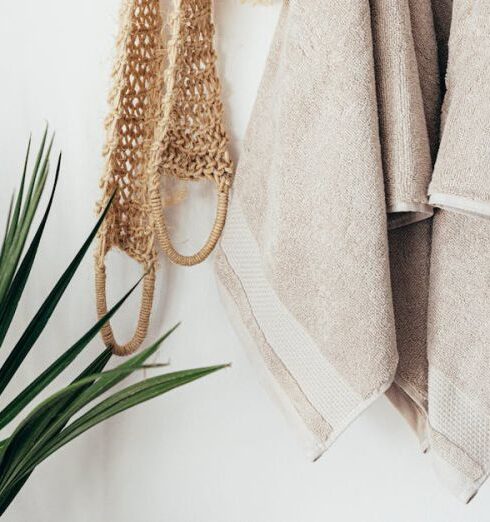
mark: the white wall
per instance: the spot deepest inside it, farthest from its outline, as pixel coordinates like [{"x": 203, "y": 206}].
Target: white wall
[{"x": 218, "y": 450}]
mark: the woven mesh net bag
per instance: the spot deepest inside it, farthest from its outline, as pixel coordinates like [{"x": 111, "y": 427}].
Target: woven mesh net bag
[
  {"x": 191, "y": 142},
  {"x": 166, "y": 121}
]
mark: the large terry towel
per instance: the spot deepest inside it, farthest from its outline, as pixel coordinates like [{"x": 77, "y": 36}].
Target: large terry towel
[
  {"x": 409, "y": 92},
  {"x": 304, "y": 258},
  {"x": 459, "y": 302}
]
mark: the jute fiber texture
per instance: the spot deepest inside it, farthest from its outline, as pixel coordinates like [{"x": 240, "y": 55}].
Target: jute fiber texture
[
  {"x": 166, "y": 122},
  {"x": 355, "y": 257}
]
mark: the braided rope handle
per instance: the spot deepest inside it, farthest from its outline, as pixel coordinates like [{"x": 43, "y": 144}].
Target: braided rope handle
[
  {"x": 164, "y": 236},
  {"x": 143, "y": 318}
]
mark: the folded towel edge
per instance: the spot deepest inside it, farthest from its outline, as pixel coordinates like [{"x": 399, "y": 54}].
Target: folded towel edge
[
  {"x": 403, "y": 213},
  {"x": 460, "y": 204}
]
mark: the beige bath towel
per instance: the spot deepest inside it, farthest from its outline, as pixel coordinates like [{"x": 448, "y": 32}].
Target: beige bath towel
[
  {"x": 459, "y": 310},
  {"x": 326, "y": 262},
  {"x": 409, "y": 96},
  {"x": 304, "y": 258},
  {"x": 410, "y": 49}
]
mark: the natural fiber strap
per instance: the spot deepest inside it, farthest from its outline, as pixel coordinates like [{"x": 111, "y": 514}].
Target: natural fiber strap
[
  {"x": 199, "y": 257},
  {"x": 143, "y": 318},
  {"x": 191, "y": 142}
]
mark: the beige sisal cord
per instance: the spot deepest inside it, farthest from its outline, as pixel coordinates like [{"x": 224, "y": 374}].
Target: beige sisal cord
[{"x": 166, "y": 120}]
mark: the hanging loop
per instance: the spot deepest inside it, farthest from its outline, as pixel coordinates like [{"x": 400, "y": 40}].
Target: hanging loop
[
  {"x": 164, "y": 236},
  {"x": 143, "y": 318}
]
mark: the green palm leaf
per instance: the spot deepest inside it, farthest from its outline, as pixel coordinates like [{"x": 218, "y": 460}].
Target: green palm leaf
[
  {"x": 55, "y": 369},
  {"x": 8, "y": 494},
  {"x": 20, "y": 222},
  {"x": 38, "y": 323},
  {"x": 45, "y": 421},
  {"x": 118, "y": 402},
  {"x": 60, "y": 418},
  {"x": 9, "y": 305}
]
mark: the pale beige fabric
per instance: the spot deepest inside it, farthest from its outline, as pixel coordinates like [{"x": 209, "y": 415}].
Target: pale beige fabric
[
  {"x": 408, "y": 82},
  {"x": 410, "y": 65},
  {"x": 330, "y": 265},
  {"x": 305, "y": 249},
  {"x": 459, "y": 310},
  {"x": 410, "y": 263},
  {"x": 403, "y": 102}
]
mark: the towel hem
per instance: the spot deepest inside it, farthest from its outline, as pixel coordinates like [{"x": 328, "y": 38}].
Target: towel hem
[
  {"x": 461, "y": 485},
  {"x": 403, "y": 213},
  {"x": 314, "y": 447},
  {"x": 313, "y": 444},
  {"x": 460, "y": 454},
  {"x": 460, "y": 204},
  {"x": 324, "y": 401}
]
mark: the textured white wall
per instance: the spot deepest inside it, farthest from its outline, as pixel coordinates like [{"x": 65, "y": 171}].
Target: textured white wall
[{"x": 218, "y": 450}]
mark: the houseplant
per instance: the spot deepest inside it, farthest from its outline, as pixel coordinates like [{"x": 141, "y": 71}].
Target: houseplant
[{"x": 57, "y": 420}]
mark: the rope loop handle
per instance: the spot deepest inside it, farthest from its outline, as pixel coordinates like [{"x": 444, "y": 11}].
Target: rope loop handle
[
  {"x": 164, "y": 236},
  {"x": 143, "y": 318}
]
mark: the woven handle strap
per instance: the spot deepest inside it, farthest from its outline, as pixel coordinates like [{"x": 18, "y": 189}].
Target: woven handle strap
[
  {"x": 166, "y": 242},
  {"x": 144, "y": 314}
]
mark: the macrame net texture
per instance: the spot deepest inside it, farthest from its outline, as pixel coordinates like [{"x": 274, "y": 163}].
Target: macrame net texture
[
  {"x": 166, "y": 123},
  {"x": 195, "y": 145},
  {"x": 138, "y": 86}
]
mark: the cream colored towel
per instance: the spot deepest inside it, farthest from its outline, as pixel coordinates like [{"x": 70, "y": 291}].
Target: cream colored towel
[
  {"x": 326, "y": 262},
  {"x": 408, "y": 88},
  {"x": 409, "y": 98},
  {"x": 410, "y": 46},
  {"x": 304, "y": 258},
  {"x": 459, "y": 310}
]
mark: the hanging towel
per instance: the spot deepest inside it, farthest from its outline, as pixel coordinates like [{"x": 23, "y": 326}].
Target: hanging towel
[
  {"x": 409, "y": 39},
  {"x": 459, "y": 303},
  {"x": 304, "y": 259}
]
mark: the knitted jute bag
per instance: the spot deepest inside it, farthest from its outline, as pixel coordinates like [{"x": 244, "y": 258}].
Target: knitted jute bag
[{"x": 166, "y": 121}]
